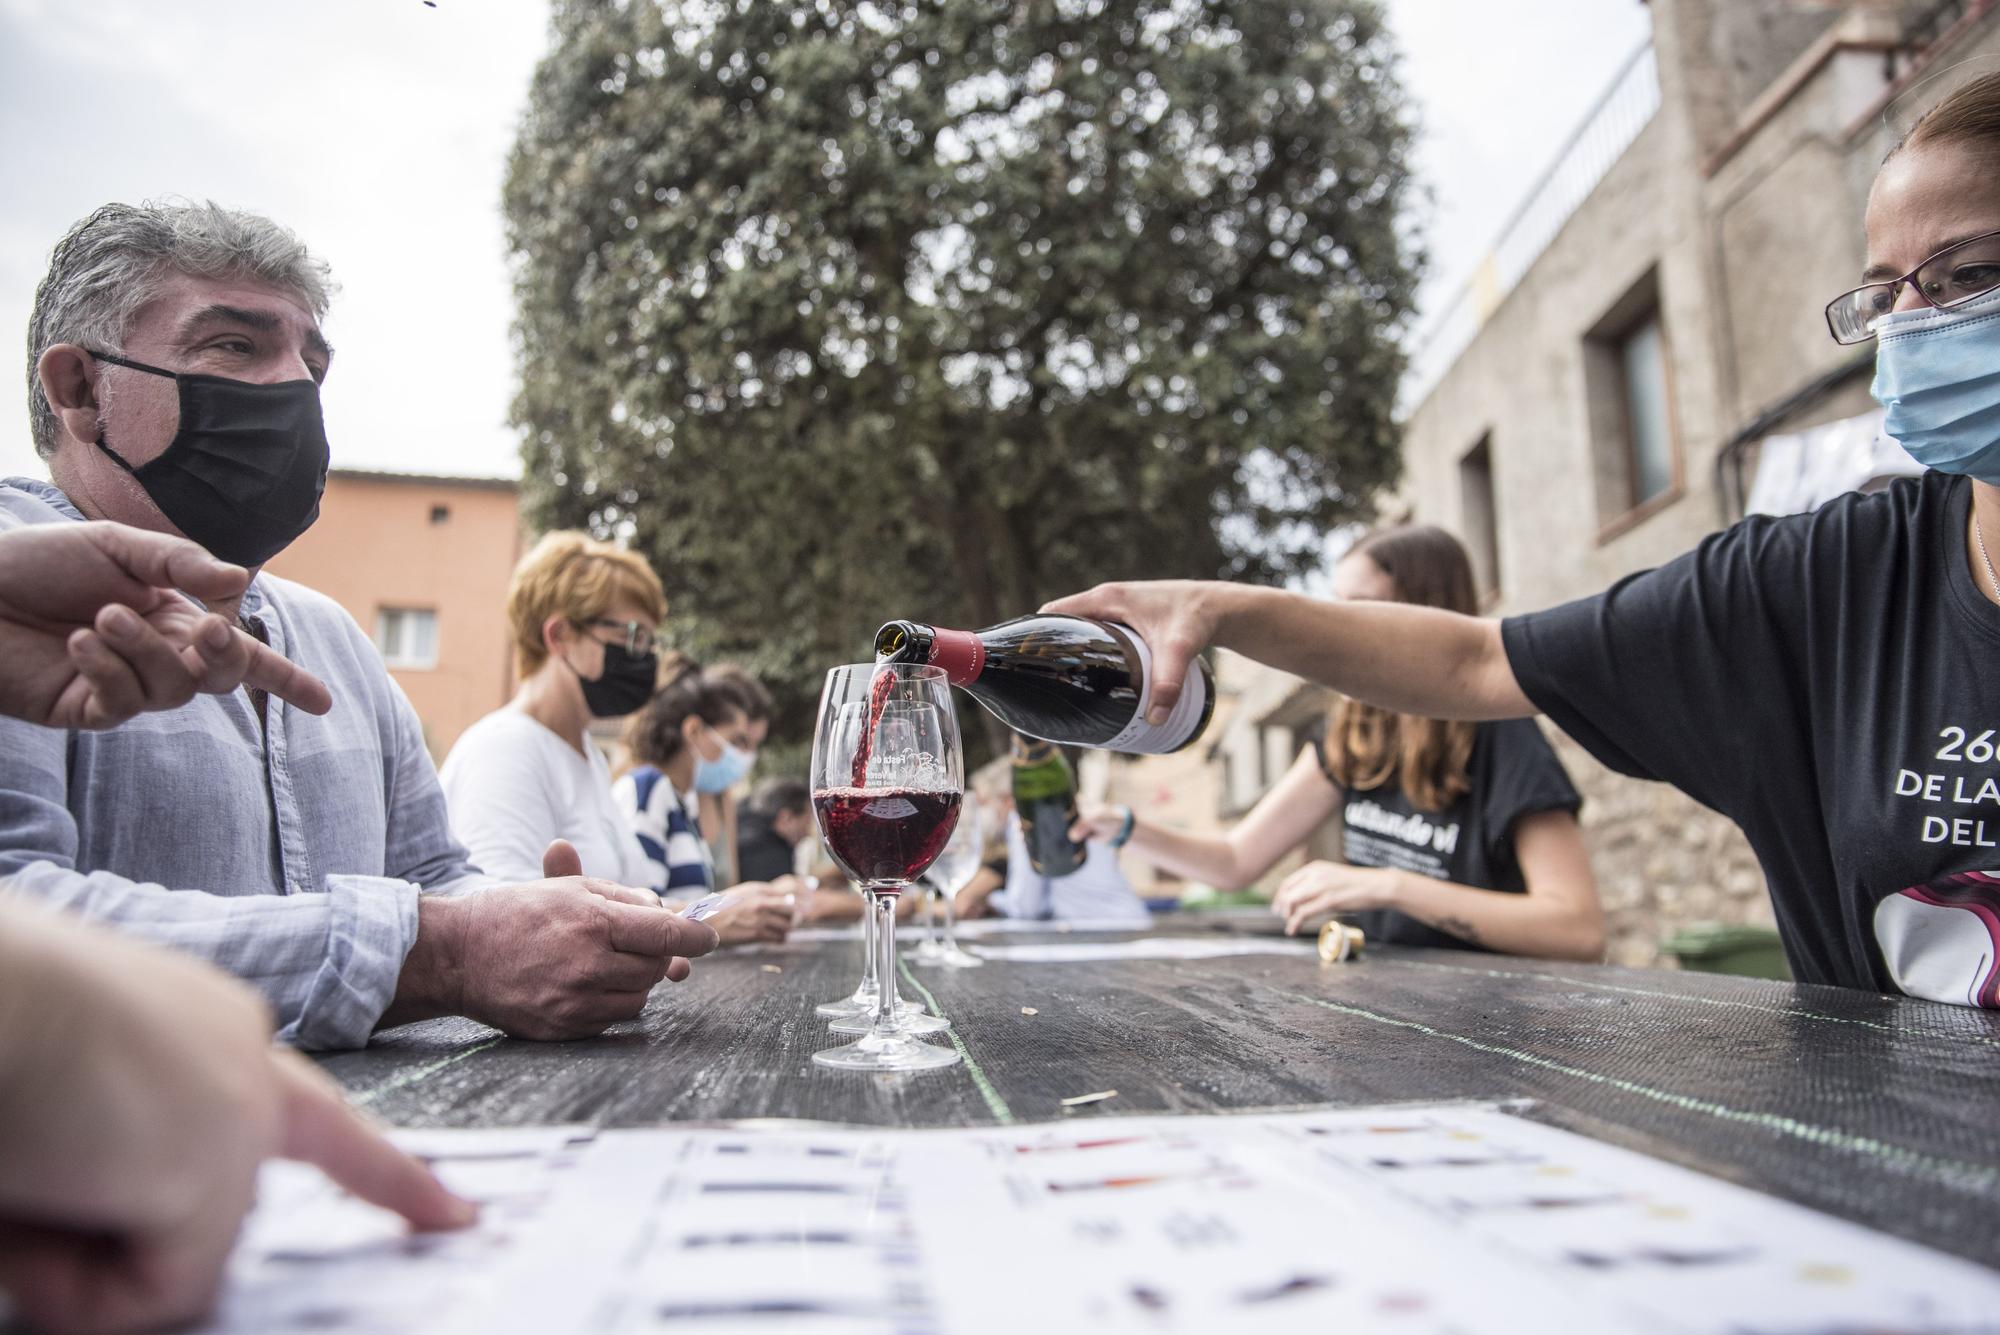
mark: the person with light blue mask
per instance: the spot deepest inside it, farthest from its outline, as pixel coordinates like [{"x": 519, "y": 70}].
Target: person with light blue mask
[
  {"x": 1830, "y": 681},
  {"x": 696, "y": 738}
]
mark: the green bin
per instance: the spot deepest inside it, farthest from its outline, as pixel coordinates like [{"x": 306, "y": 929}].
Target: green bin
[{"x": 1723, "y": 947}]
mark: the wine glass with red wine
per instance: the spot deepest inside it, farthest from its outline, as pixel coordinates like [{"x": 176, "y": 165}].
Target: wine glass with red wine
[
  {"x": 895, "y": 734},
  {"x": 888, "y": 779}
]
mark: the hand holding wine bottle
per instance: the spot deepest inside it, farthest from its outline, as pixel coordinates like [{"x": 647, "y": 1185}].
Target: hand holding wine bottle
[
  {"x": 1173, "y": 616},
  {"x": 1411, "y": 659},
  {"x": 1064, "y": 679}
]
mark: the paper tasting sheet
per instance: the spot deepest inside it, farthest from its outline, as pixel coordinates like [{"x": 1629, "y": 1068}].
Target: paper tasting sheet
[
  {"x": 1442, "y": 1218},
  {"x": 976, "y": 928},
  {"x": 1145, "y": 948}
]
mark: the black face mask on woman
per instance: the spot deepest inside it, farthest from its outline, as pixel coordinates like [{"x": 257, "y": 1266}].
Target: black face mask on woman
[
  {"x": 243, "y": 474},
  {"x": 624, "y": 685}
]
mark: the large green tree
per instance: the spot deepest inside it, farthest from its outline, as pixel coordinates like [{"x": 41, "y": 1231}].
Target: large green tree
[{"x": 847, "y": 311}]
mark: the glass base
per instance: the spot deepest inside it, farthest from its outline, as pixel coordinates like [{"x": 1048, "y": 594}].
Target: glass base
[
  {"x": 952, "y": 957},
  {"x": 909, "y": 1018},
  {"x": 927, "y": 952},
  {"x": 862, "y": 1003},
  {"x": 896, "y": 1053}
]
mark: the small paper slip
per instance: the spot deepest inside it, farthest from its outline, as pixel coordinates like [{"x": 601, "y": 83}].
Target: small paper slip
[
  {"x": 1425, "y": 1218},
  {"x": 978, "y": 927},
  {"x": 827, "y": 934},
  {"x": 1145, "y": 948}
]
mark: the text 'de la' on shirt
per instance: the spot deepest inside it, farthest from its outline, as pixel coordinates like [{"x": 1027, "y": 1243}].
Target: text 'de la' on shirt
[
  {"x": 1511, "y": 773},
  {"x": 1831, "y": 683}
]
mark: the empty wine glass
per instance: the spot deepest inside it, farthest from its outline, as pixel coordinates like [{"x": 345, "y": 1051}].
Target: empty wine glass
[
  {"x": 951, "y": 873},
  {"x": 930, "y": 947},
  {"x": 888, "y": 780}
]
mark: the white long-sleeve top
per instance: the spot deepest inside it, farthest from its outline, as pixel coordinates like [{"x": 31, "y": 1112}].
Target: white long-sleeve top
[{"x": 512, "y": 785}]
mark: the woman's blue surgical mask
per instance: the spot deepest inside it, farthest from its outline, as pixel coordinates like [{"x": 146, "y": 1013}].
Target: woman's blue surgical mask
[
  {"x": 1937, "y": 374},
  {"x": 725, "y": 771}
]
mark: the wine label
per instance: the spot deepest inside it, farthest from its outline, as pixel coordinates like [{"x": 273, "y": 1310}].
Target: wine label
[
  {"x": 959, "y": 653},
  {"x": 1140, "y": 737}
]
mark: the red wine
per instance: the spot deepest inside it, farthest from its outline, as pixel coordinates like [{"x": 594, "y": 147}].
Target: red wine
[
  {"x": 878, "y": 696},
  {"x": 885, "y": 836},
  {"x": 1062, "y": 679}
]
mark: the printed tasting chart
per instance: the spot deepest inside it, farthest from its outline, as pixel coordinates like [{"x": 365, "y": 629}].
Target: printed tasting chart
[{"x": 1418, "y": 1218}]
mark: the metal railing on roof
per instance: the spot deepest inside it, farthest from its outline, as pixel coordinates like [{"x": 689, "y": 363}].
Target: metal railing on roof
[
  {"x": 1599, "y": 140},
  {"x": 1923, "y": 26}
]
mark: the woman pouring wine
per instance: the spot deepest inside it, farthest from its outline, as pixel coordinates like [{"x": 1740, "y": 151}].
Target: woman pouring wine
[{"x": 1821, "y": 679}]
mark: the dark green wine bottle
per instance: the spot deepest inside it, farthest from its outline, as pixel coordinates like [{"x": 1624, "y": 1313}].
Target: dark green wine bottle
[{"x": 1045, "y": 803}]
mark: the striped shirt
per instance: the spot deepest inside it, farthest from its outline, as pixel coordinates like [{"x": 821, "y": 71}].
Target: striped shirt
[{"x": 681, "y": 863}]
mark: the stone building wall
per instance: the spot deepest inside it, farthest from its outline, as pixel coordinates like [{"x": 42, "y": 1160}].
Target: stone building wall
[{"x": 1663, "y": 861}]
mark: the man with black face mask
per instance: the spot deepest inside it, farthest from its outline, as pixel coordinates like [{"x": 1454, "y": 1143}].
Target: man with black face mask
[{"x": 175, "y": 365}]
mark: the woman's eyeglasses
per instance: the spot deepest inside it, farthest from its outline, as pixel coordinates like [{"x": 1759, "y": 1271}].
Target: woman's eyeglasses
[
  {"x": 640, "y": 638},
  {"x": 1955, "y": 275}
]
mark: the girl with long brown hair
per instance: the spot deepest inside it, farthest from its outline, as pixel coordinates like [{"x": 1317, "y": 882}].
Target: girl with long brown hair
[{"x": 1453, "y": 833}]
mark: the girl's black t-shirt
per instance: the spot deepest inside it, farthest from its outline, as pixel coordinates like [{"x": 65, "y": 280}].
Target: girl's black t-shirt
[
  {"x": 1831, "y": 683},
  {"x": 1512, "y": 773}
]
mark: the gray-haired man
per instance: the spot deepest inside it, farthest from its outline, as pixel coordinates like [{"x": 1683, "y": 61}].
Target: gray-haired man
[{"x": 175, "y": 357}]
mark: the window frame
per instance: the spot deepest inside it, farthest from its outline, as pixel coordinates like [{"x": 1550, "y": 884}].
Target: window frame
[
  {"x": 398, "y": 662},
  {"x": 1481, "y": 531},
  {"x": 1614, "y": 443}
]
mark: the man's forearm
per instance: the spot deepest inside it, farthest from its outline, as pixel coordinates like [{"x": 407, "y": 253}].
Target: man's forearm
[
  {"x": 326, "y": 963},
  {"x": 1414, "y": 660}
]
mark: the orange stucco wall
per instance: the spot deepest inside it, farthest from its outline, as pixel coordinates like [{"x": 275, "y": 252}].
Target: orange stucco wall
[{"x": 380, "y": 542}]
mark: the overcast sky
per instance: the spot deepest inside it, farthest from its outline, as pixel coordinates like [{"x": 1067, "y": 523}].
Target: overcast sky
[{"x": 378, "y": 129}]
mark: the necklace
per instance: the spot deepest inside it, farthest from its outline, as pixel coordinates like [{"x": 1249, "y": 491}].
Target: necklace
[{"x": 1987, "y": 561}]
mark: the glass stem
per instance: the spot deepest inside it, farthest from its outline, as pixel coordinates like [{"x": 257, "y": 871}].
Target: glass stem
[
  {"x": 950, "y": 921},
  {"x": 868, "y": 898},
  {"x": 885, "y": 935}
]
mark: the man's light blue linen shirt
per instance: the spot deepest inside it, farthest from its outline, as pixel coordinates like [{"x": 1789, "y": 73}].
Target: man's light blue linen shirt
[{"x": 290, "y": 855}]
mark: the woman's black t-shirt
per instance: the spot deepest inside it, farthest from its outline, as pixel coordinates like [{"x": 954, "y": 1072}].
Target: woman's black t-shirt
[
  {"x": 1824, "y": 681},
  {"x": 1512, "y": 773}
]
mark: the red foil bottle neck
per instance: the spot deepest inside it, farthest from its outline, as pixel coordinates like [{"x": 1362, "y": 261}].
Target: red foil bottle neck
[{"x": 959, "y": 653}]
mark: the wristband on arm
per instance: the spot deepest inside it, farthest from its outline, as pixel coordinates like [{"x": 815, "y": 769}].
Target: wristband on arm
[{"x": 1124, "y": 835}]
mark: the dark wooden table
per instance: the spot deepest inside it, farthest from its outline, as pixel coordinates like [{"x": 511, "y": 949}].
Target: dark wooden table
[{"x": 1881, "y": 1110}]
